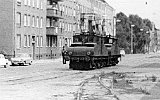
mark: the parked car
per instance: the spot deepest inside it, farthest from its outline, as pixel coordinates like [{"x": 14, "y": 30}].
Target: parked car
[
  {"x": 21, "y": 59},
  {"x": 3, "y": 61}
]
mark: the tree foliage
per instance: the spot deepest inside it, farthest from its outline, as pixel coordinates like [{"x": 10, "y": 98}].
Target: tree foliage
[{"x": 123, "y": 30}]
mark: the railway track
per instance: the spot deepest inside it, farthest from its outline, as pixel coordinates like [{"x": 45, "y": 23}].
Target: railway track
[
  {"x": 96, "y": 88},
  {"x": 37, "y": 78},
  {"x": 114, "y": 86}
]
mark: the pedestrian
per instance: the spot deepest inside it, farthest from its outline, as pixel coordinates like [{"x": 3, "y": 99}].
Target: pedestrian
[{"x": 63, "y": 54}]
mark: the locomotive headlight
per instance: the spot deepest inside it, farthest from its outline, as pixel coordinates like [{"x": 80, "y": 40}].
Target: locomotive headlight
[
  {"x": 65, "y": 52},
  {"x": 88, "y": 53},
  {"x": 70, "y": 53}
]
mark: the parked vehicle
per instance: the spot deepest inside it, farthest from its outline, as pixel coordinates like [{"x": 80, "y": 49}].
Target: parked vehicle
[
  {"x": 3, "y": 61},
  {"x": 21, "y": 59}
]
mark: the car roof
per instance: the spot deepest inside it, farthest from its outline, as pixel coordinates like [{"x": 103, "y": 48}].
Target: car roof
[{"x": 1, "y": 55}]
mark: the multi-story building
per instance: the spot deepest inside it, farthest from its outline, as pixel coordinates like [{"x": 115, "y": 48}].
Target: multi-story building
[
  {"x": 42, "y": 27},
  {"x": 53, "y": 31},
  {"x": 23, "y": 27}
]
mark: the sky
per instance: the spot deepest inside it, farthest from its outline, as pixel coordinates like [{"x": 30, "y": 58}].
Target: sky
[{"x": 144, "y": 8}]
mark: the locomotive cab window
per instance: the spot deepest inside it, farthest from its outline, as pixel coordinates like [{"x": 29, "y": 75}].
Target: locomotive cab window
[
  {"x": 77, "y": 38},
  {"x": 76, "y": 45},
  {"x": 110, "y": 41},
  {"x": 89, "y": 44}
]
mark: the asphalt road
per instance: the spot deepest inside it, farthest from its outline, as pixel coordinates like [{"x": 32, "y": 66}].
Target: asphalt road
[{"x": 51, "y": 80}]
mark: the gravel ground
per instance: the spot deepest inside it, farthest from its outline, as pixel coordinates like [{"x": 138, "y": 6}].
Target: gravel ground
[{"x": 51, "y": 80}]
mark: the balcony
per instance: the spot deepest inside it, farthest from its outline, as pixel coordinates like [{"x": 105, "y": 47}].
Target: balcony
[
  {"x": 53, "y": 31},
  {"x": 54, "y": 12}
]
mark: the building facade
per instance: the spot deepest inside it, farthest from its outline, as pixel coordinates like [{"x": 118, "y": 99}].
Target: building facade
[
  {"x": 23, "y": 27},
  {"x": 42, "y": 27}
]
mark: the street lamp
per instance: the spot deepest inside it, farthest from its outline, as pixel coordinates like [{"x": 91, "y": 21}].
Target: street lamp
[
  {"x": 148, "y": 44},
  {"x": 132, "y": 38},
  {"x": 142, "y": 30}
]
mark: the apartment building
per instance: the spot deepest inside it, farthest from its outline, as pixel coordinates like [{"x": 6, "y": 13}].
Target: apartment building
[
  {"x": 7, "y": 27},
  {"x": 23, "y": 27},
  {"x": 42, "y": 27}
]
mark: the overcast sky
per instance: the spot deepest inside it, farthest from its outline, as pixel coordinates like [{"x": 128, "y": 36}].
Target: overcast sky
[{"x": 144, "y": 8}]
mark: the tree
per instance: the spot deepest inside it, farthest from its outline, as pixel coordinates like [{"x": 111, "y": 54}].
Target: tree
[{"x": 123, "y": 30}]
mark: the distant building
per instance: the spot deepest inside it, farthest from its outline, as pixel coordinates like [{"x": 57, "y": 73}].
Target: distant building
[
  {"x": 158, "y": 40},
  {"x": 153, "y": 37},
  {"x": 42, "y": 27}
]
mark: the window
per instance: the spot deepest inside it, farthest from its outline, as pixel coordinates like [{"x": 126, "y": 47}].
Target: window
[
  {"x": 25, "y": 40},
  {"x": 41, "y": 41},
  {"x": 41, "y": 5},
  {"x": 18, "y": 19},
  {"x": 63, "y": 8},
  {"x": 33, "y": 21},
  {"x": 51, "y": 41},
  {"x": 47, "y": 22},
  {"x": 60, "y": 24},
  {"x": 63, "y": 25},
  {"x": 60, "y": 40},
  {"x": 18, "y": 2},
  {"x": 37, "y": 3},
  {"x": 29, "y": 20},
  {"x": 37, "y": 41},
  {"x": 74, "y": 13},
  {"x": 65, "y": 28},
  {"x": 48, "y": 2},
  {"x": 74, "y": 27},
  {"x": 18, "y": 41},
  {"x": 68, "y": 27},
  {"x": 25, "y": 20},
  {"x": 25, "y": 2},
  {"x": 37, "y": 22},
  {"x": 29, "y": 2},
  {"x": 48, "y": 41},
  {"x": 78, "y": 26},
  {"x": 33, "y": 3},
  {"x": 60, "y": 7},
  {"x": 66, "y": 10},
  {"x": 41, "y": 23},
  {"x": 71, "y": 27},
  {"x": 29, "y": 41},
  {"x": 56, "y": 28}
]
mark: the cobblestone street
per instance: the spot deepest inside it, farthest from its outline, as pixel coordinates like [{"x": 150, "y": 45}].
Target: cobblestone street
[{"x": 51, "y": 80}]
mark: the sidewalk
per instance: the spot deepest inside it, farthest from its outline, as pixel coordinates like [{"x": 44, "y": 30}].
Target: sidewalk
[{"x": 47, "y": 60}]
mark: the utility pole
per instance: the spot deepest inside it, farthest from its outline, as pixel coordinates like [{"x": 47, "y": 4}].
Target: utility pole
[{"x": 132, "y": 38}]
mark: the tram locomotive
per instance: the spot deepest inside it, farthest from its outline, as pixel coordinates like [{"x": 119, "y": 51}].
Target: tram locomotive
[{"x": 92, "y": 49}]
